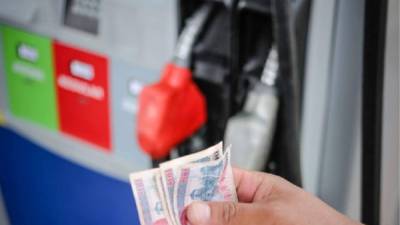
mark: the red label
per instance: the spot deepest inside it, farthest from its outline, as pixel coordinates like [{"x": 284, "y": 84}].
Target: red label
[{"x": 83, "y": 95}]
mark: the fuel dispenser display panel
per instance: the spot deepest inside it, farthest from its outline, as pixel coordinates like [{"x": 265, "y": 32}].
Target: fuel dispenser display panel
[
  {"x": 82, "y": 15},
  {"x": 83, "y": 95},
  {"x": 29, "y": 76}
]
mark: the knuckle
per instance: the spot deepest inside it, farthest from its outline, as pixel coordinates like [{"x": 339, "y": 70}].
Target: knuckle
[{"x": 229, "y": 212}]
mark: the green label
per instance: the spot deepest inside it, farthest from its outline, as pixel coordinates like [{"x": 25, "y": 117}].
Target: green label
[{"x": 30, "y": 77}]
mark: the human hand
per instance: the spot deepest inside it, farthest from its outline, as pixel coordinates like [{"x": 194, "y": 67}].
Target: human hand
[{"x": 266, "y": 199}]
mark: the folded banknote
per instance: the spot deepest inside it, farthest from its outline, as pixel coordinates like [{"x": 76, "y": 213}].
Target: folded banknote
[{"x": 162, "y": 194}]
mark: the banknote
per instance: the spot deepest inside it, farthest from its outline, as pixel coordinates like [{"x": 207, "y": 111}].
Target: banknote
[
  {"x": 162, "y": 194},
  {"x": 209, "y": 181},
  {"x": 148, "y": 198},
  {"x": 169, "y": 171}
]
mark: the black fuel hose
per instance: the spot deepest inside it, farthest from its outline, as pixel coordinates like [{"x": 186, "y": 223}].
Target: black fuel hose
[{"x": 287, "y": 137}]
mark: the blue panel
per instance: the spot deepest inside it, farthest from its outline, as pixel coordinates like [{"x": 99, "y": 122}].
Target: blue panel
[{"x": 41, "y": 188}]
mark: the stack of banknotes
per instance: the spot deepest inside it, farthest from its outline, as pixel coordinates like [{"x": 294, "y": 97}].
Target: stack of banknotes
[{"x": 162, "y": 194}]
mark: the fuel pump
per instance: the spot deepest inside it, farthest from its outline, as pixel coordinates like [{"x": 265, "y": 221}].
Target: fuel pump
[
  {"x": 251, "y": 130},
  {"x": 218, "y": 61},
  {"x": 174, "y": 108}
]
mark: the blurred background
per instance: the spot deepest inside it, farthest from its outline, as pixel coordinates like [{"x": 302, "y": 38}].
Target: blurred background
[{"x": 92, "y": 90}]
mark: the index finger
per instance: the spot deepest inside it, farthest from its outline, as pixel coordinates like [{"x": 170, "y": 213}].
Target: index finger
[{"x": 249, "y": 183}]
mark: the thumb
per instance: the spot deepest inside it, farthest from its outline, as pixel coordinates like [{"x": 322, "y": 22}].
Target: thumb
[{"x": 225, "y": 213}]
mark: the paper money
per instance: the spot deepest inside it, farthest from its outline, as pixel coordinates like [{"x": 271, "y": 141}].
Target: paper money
[
  {"x": 210, "y": 181},
  {"x": 148, "y": 196},
  {"x": 162, "y": 194},
  {"x": 169, "y": 172}
]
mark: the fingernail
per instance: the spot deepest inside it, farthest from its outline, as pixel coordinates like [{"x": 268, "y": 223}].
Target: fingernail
[{"x": 198, "y": 213}]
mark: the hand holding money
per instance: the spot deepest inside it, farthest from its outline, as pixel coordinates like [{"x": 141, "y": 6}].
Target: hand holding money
[
  {"x": 203, "y": 189},
  {"x": 266, "y": 199},
  {"x": 163, "y": 194}
]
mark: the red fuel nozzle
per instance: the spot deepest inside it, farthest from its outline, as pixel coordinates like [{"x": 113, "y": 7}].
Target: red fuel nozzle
[{"x": 169, "y": 111}]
